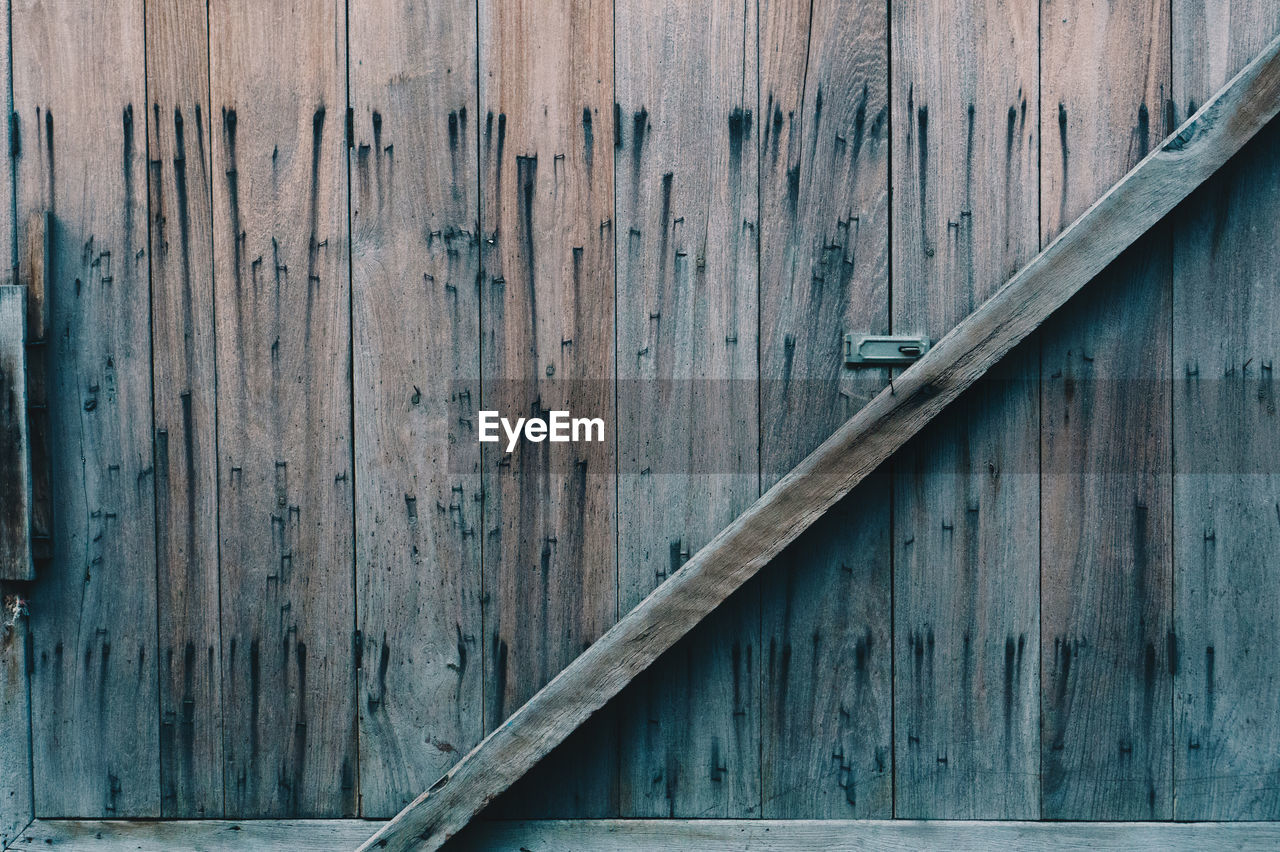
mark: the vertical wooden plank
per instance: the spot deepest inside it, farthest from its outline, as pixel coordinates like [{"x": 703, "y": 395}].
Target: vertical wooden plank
[
  {"x": 966, "y": 492},
  {"x": 547, "y": 343},
  {"x": 686, "y": 166},
  {"x": 1106, "y": 562},
  {"x": 823, "y": 259},
  {"x": 415, "y": 254},
  {"x": 79, "y": 92},
  {"x": 1226, "y": 337},
  {"x": 15, "y": 445},
  {"x": 284, "y": 407},
  {"x": 16, "y": 806},
  {"x": 183, "y": 331}
]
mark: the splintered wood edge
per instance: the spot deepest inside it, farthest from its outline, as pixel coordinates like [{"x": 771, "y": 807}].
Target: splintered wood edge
[{"x": 1124, "y": 213}]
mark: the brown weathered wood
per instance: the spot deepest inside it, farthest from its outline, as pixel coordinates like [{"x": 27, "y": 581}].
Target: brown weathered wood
[
  {"x": 415, "y": 260},
  {"x": 547, "y": 310},
  {"x": 685, "y": 160},
  {"x": 1129, "y": 209},
  {"x": 661, "y": 835},
  {"x": 1106, "y": 560},
  {"x": 1226, "y": 485},
  {"x": 15, "y": 444},
  {"x": 79, "y": 95},
  {"x": 278, "y": 104},
  {"x": 182, "y": 342},
  {"x": 966, "y": 492},
  {"x": 33, "y": 270},
  {"x": 16, "y": 803},
  {"x": 824, "y": 243}
]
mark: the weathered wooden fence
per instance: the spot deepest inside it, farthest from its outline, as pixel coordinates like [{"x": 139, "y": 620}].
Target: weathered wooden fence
[{"x": 292, "y": 251}]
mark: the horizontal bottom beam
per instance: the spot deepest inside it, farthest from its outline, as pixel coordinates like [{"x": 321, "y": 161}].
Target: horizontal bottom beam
[{"x": 655, "y": 835}]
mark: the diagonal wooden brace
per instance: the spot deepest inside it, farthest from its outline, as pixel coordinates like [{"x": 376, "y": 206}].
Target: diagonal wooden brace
[{"x": 1127, "y": 211}]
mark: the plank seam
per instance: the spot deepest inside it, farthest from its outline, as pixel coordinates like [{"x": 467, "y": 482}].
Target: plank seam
[
  {"x": 1039, "y": 347},
  {"x": 1170, "y": 120},
  {"x": 616, "y": 738},
  {"x": 217, "y": 456},
  {"x": 893, "y": 580},
  {"x": 479, "y": 285},
  {"x": 151, "y": 383},
  {"x": 351, "y": 380},
  {"x": 748, "y": 22},
  {"x": 11, "y": 125}
]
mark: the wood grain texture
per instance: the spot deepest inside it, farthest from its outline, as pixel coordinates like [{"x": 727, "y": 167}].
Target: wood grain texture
[
  {"x": 824, "y": 244},
  {"x": 660, "y": 836},
  {"x": 685, "y": 160},
  {"x": 16, "y": 803},
  {"x": 35, "y": 261},
  {"x": 861, "y": 836},
  {"x": 185, "y": 391},
  {"x": 284, "y": 408},
  {"x": 8, "y": 225},
  {"x": 1105, "y": 508},
  {"x": 266, "y": 835},
  {"x": 966, "y": 492},
  {"x": 79, "y": 92},
  {"x": 547, "y": 310},
  {"x": 415, "y": 259},
  {"x": 1125, "y": 212},
  {"x": 15, "y": 443},
  {"x": 827, "y": 729},
  {"x": 1226, "y": 485}
]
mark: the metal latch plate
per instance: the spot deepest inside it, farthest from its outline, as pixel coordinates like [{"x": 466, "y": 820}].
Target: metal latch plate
[{"x": 872, "y": 350}]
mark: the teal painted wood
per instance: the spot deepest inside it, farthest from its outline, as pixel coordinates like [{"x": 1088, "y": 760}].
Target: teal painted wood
[{"x": 1226, "y": 487}]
